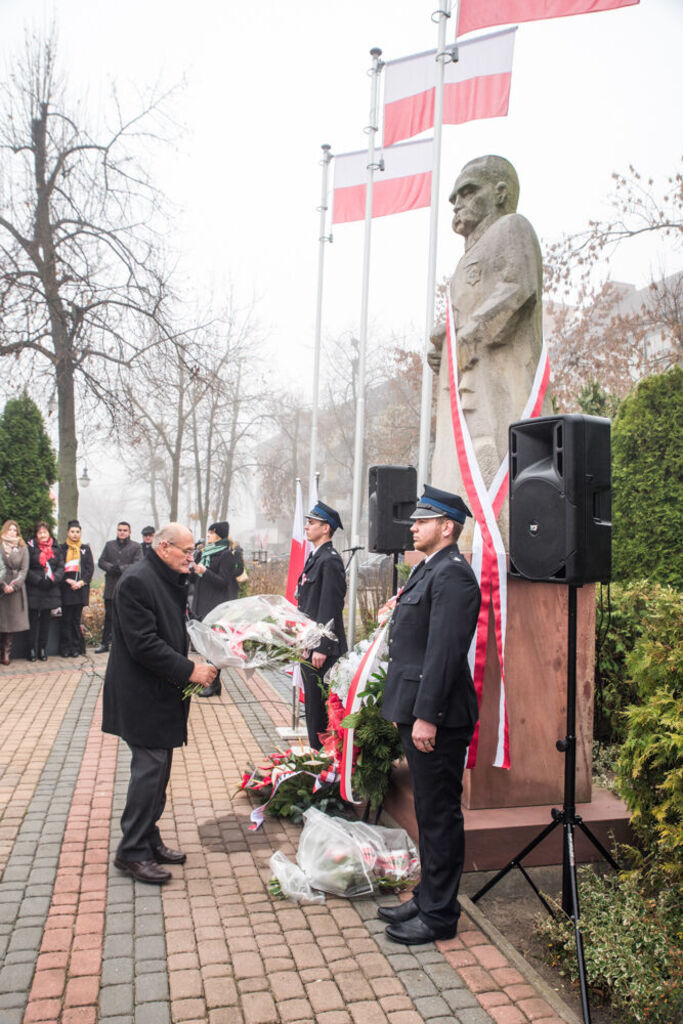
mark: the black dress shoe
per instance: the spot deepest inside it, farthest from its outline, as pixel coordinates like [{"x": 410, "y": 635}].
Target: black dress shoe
[
  {"x": 163, "y": 855},
  {"x": 102, "y": 649},
  {"x": 143, "y": 871},
  {"x": 43, "y": 654},
  {"x": 212, "y": 690},
  {"x": 402, "y": 912},
  {"x": 415, "y": 932},
  {"x": 31, "y": 656}
]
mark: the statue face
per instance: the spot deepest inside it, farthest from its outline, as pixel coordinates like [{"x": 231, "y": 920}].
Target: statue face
[{"x": 474, "y": 198}]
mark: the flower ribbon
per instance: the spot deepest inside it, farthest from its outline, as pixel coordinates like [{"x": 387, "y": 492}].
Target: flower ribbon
[{"x": 489, "y": 560}]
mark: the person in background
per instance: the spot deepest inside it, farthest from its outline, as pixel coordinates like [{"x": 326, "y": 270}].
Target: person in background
[
  {"x": 43, "y": 586},
  {"x": 116, "y": 558},
  {"x": 13, "y": 601},
  {"x": 215, "y": 580},
  {"x": 79, "y": 566},
  {"x": 320, "y": 594},
  {"x": 147, "y": 538}
]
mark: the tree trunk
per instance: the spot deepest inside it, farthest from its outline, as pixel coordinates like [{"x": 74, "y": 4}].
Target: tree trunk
[{"x": 68, "y": 447}]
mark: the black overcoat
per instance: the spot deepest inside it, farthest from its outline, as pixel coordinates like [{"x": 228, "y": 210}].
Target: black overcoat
[
  {"x": 219, "y": 582},
  {"x": 148, "y": 667},
  {"x": 116, "y": 558},
  {"x": 82, "y": 595},
  {"x": 44, "y": 593},
  {"x": 432, "y": 626},
  {"x": 320, "y": 594}
]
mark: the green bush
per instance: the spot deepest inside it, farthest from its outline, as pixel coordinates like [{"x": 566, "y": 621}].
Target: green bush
[
  {"x": 650, "y": 762},
  {"x": 621, "y": 614},
  {"x": 28, "y": 466},
  {"x": 632, "y": 948},
  {"x": 647, "y": 439}
]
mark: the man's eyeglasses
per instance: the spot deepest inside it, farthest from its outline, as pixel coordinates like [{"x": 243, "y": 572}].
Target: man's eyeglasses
[{"x": 188, "y": 552}]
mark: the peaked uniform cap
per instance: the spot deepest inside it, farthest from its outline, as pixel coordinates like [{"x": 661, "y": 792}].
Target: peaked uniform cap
[
  {"x": 326, "y": 514},
  {"x": 435, "y": 503}
]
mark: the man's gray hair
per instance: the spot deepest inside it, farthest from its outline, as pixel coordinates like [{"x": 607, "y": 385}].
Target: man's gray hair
[{"x": 169, "y": 532}]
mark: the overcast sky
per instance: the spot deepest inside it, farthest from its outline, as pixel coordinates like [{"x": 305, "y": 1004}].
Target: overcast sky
[{"x": 267, "y": 82}]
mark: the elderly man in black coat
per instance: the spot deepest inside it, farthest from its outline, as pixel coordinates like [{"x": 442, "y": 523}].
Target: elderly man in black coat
[
  {"x": 320, "y": 594},
  {"x": 143, "y": 702},
  {"x": 430, "y": 696},
  {"x": 117, "y": 557}
]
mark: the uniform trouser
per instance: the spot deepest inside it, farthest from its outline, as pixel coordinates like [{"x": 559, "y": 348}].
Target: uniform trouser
[
  {"x": 150, "y": 770},
  {"x": 316, "y": 709},
  {"x": 70, "y": 636},
  {"x": 437, "y": 790},
  {"x": 108, "y": 618},
  {"x": 39, "y": 628}
]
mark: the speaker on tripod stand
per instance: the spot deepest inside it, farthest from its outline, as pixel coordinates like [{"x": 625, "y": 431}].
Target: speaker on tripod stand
[{"x": 560, "y": 532}]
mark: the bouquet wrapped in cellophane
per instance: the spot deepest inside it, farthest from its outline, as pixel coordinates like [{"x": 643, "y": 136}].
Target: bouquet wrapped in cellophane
[{"x": 253, "y": 632}]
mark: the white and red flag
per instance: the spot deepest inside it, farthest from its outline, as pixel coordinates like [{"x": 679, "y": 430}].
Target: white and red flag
[
  {"x": 476, "y": 86},
  {"x": 403, "y": 183},
  {"x": 297, "y": 551},
  {"x": 476, "y": 14}
]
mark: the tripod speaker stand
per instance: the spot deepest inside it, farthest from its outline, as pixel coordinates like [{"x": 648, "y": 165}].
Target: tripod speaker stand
[{"x": 560, "y": 532}]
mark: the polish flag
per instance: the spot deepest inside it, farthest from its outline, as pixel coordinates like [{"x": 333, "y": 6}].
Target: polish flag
[
  {"x": 403, "y": 182},
  {"x": 476, "y": 14},
  {"x": 297, "y": 551},
  {"x": 476, "y": 86}
]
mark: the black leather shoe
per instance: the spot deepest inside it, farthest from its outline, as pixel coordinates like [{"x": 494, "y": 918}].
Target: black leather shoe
[
  {"x": 43, "y": 654},
  {"x": 402, "y": 912},
  {"x": 416, "y": 933},
  {"x": 143, "y": 871},
  {"x": 213, "y": 690},
  {"x": 31, "y": 656},
  {"x": 102, "y": 649},
  {"x": 163, "y": 855}
]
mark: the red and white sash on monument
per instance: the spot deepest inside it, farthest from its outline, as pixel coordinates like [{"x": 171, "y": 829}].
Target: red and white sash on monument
[{"x": 489, "y": 559}]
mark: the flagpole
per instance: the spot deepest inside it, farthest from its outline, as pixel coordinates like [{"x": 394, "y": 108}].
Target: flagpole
[
  {"x": 372, "y": 129},
  {"x": 322, "y": 238},
  {"x": 426, "y": 401}
]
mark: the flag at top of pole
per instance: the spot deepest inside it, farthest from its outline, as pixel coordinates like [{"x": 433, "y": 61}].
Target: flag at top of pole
[
  {"x": 476, "y": 14},
  {"x": 297, "y": 551},
  {"x": 402, "y": 182},
  {"x": 476, "y": 86}
]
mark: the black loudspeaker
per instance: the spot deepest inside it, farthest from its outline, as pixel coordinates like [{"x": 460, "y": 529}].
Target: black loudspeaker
[
  {"x": 392, "y": 499},
  {"x": 560, "y": 499}
]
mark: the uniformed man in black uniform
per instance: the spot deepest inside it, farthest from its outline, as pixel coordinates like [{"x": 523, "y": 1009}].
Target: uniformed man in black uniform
[
  {"x": 320, "y": 594},
  {"x": 430, "y": 696}
]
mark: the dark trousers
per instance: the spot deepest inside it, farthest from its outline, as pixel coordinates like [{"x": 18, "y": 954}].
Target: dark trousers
[
  {"x": 437, "y": 790},
  {"x": 39, "y": 627},
  {"x": 108, "y": 616},
  {"x": 70, "y": 636},
  {"x": 150, "y": 770},
  {"x": 316, "y": 702}
]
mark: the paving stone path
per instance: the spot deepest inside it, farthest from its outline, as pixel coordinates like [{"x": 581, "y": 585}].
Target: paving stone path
[{"x": 82, "y": 944}]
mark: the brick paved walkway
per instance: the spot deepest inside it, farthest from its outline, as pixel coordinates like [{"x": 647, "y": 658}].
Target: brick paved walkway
[{"x": 82, "y": 944}]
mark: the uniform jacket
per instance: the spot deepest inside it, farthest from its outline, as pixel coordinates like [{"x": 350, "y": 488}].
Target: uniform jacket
[
  {"x": 14, "y": 607},
  {"x": 431, "y": 630},
  {"x": 148, "y": 666},
  {"x": 82, "y": 595},
  {"x": 320, "y": 594},
  {"x": 44, "y": 593},
  {"x": 219, "y": 582},
  {"x": 117, "y": 558}
]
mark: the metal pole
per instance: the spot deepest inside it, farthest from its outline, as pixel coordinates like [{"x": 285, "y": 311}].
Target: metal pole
[
  {"x": 322, "y": 238},
  {"x": 372, "y": 129}
]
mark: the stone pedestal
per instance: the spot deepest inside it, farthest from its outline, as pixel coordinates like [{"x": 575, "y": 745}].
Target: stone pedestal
[{"x": 536, "y": 688}]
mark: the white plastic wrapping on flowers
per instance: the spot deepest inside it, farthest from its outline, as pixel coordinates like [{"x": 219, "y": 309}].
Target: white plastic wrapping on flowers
[
  {"x": 293, "y": 882},
  {"x": 352, "y": 858},
  {"x": 274, "y": 630},
  {"x": 340, "y": 676}
]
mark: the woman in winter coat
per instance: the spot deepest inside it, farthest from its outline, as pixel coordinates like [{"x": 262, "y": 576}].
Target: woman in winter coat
[
  {"x": 215, "y": 580},
  {"x": 79, "y": 566},
  {"x": 45, "y": 573},
  {"x": 13, "y": 602}
]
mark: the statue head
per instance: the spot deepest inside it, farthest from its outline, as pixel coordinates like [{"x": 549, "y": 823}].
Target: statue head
[{"x": 485, "y": 189}]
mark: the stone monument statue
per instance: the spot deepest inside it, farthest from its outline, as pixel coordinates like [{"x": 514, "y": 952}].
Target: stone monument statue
[{"x": 496, "y": 293}]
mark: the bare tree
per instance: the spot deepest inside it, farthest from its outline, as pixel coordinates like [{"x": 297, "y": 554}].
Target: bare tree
[{"x": 79, "y": 267}]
